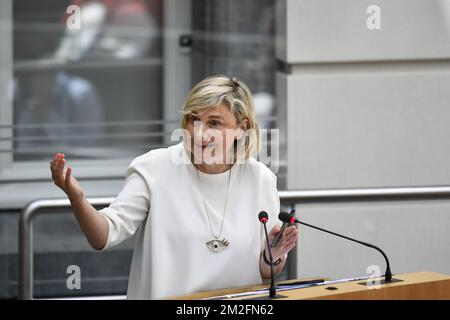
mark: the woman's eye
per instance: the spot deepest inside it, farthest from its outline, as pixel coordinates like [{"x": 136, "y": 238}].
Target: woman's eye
[
  {"x": 195, "y": 121},
  {"x": 217, "y": 245},
  {"x": 215, "y": 123}
]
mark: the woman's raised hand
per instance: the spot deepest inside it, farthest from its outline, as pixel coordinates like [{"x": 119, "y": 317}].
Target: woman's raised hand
[{"x": 64, "y": 179}]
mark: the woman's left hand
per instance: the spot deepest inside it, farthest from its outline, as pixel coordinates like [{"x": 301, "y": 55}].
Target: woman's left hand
[{"x": 287, "y": 242}]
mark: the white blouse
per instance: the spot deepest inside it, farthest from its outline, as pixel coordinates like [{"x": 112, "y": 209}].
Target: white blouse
[{"x": 165, "y": 199}]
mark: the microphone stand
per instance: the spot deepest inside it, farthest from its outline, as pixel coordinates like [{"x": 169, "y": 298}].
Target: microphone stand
[
  {"x": 388, "y": 274},
  {"x": 272, "y": 289},
  {"x": 263, "y": 217}
]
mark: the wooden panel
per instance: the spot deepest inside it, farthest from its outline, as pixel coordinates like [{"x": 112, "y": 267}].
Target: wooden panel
[
  {"x": 214, "y": 293},
  {"x": 419, "y": 285}
]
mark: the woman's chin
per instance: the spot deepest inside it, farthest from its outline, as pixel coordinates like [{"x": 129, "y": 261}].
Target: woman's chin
[{"x": 207, "y": 159}]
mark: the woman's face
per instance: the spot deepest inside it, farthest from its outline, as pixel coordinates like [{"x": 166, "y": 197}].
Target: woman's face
[{"x": 212, "y": 132}]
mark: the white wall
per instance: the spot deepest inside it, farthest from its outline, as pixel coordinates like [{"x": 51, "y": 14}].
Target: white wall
[
  {"x": 324, "y": 30},
  {"x": 367, "y": 108}
]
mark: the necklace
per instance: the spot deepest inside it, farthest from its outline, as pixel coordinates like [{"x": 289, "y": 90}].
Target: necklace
[{"x": 216, "y": 244}]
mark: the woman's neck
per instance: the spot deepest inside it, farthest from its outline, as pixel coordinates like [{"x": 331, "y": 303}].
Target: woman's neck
[{"x": 213, "y": 168}]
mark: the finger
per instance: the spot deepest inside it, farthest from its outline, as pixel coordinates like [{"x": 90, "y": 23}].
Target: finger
[
  {"x": 290, "y": 229},
  {"x": 289, "y": 244},
  {"x": 56, "y": 174},
  {"x": 285, "y": 240},
  {"x": 54, "y": 158},
  {"x": 68, "y": 175},
  {"x": 54, "y": 164},
  {"x": 290, "y": 248},
  {"x": 288, "y": 232},
  {"x": 284, "y": 251},
  {"x": 60, "y": 169},
  {"x": 61, "y": 162},
  {"x": 291, "y": 235},
  {"x": 55, "y": 161}
]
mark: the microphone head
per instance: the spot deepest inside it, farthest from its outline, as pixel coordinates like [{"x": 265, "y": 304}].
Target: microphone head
[
  {"x": 286, "y": 217},
  {"x": 263, "y": 216}
]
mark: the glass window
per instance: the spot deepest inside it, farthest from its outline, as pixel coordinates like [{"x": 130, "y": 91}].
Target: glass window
[{"x": 91, "y": 90}]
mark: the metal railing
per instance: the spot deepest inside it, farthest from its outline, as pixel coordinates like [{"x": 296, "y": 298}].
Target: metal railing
[
  {"x": 286, "y": 198},
  {"x": 26, "y": 237}
]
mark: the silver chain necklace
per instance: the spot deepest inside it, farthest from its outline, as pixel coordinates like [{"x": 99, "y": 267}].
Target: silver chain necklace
[{"x": 216, "y": 244}]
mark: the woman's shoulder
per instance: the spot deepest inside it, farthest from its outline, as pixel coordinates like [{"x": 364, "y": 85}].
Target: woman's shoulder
[
  {"x": 260, "y": 169},
  {"x": 154, "y": 158}
]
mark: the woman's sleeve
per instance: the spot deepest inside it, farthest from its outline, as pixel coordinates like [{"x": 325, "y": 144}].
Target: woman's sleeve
[
  {"x": 270, "y": 202},
  {"x": 130, "y": 208}
]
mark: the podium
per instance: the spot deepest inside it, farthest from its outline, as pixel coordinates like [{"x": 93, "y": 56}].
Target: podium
[{"x": 422, "y": 285}]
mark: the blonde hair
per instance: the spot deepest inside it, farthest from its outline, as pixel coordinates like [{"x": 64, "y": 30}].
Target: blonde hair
[{"x": 231, "y": 92}]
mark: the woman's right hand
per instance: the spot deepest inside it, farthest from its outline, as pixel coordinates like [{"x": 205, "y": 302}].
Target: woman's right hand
[
  {"x": 64, "y": 179},
  {"x": 94, "y": 225}
]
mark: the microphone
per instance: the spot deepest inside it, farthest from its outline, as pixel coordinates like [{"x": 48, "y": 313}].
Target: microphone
[
  {"x": 286, "y": 217},
  {"x": 285, "y": 224},
  {"x": 263, "y": 218}
]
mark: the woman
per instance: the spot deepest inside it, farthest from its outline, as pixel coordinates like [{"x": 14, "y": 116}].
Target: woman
[{"x": 195, "y": 204}]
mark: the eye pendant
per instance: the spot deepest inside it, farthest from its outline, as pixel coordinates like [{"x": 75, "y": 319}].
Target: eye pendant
[{"x": 217, "y": 245}]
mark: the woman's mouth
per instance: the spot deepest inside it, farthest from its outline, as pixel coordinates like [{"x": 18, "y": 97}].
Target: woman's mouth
[{"x": 203, "y": 147}]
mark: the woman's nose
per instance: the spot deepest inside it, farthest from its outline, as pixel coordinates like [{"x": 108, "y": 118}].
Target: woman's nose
[
  {"x": 198, "y": 132},
  {"x": 202, "y": 134}
]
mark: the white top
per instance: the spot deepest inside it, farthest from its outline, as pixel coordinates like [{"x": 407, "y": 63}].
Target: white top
[{"x": 162, "y": 197}]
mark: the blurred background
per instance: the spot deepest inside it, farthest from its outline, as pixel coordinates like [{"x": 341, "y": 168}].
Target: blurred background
[{"x": 357, "y": 107}]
